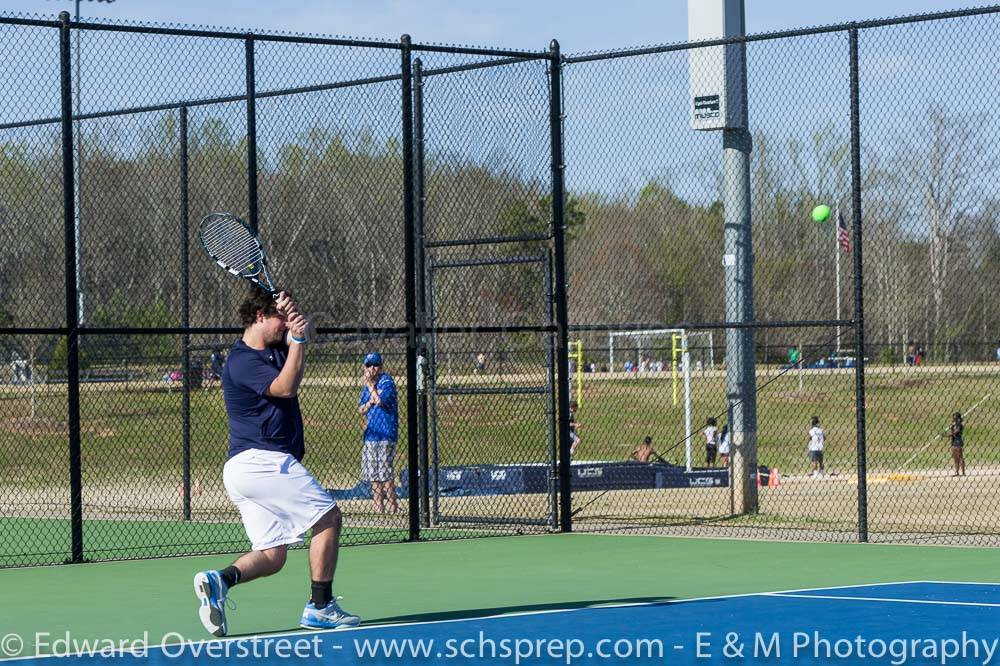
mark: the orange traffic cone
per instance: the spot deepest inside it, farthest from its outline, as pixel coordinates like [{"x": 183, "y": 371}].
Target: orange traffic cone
[{"x": 774, "y": 478}]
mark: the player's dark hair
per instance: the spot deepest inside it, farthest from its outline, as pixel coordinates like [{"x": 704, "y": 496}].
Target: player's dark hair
[
  {"x": 957, "y": 416},
  {"x": 257, "y": 300},
  {"x": 815, "y": 420},
  {"x": 711, "y": 421}
]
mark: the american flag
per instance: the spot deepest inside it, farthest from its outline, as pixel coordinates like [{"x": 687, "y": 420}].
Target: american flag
[{"x": 843, "y": 238}]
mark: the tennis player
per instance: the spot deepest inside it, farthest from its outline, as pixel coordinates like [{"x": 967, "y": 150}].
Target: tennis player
[{"x": 278, "y": 499}]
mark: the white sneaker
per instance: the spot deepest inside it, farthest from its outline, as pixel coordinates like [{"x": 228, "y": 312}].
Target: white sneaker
[
  {"x": 330, "y": 617},
  {"x": 211, "y": 591}
]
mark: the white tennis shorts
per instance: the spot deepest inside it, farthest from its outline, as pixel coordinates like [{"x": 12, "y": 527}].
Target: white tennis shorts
[{"x": 279, "y": 500}]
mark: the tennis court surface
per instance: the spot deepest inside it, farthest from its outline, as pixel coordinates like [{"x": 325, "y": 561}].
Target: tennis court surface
[{"x": 549, "y": 599}]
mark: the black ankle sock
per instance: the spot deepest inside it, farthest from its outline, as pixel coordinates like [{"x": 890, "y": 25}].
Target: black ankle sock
[
  {"x": 322, "y": 593},
  {"x": 230, "y": 575}
]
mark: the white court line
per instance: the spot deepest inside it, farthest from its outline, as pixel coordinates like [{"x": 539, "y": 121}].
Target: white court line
[
  {"x": 955, "y": 582},
  {"x": 789, "y": 595},
  {"x": 346, "y": 630}
]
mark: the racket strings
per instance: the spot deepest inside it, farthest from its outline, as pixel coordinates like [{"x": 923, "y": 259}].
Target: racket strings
[{"x": 233, "y": 245}]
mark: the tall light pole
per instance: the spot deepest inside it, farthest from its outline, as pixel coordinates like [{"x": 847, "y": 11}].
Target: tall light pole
[
  {"x": 718, "y": 102},
  {"x": 77, "y": 217}
]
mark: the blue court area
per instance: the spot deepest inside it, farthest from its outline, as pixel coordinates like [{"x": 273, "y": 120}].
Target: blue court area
[{"x": 897, "y": 623}]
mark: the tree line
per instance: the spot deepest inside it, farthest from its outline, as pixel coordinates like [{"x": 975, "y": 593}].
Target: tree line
[{"x": 331, "y": 219}]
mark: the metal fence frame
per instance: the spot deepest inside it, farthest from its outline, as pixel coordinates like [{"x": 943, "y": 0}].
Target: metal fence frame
[{"x": 419, "y": 326}]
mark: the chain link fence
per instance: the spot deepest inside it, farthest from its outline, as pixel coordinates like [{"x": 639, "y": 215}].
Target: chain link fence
[
  {"x": 537, "y": 251},
  {"x": 646, "y": 265}
]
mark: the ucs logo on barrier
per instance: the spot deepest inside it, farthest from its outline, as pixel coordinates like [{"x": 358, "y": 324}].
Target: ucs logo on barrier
[{"x": 589, "y": 473}]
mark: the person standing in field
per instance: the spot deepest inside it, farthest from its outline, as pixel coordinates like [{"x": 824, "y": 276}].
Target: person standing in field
[
  {"x": 378, "y": 405},
  {"x": 574, "y": 436},
  {"x": 724, "y": 446},
  {"x": 817, "y": 439},
  {"x": 958, "y": 443},
  {"x": 711, "y": 433}
]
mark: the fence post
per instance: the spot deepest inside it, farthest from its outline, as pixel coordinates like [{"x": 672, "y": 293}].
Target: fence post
[
  {"x": 185, "y": 319},
  {"x": 421, "y": 286},
  {"x": 251, "y": 134},
  {"x": 551, "y": 409},
  {"x": 859, "y": 292},
  {"x": 411, "y": 293},
  {"x": 562, "y": 316},
  {"x": 72, "y": 305}
]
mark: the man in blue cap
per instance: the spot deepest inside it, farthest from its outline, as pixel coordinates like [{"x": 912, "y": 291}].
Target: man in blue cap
[{"x": 379, "y": 406}]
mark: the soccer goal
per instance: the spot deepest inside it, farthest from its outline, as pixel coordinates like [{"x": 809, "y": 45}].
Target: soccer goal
[{"x": 656, "y": 352}]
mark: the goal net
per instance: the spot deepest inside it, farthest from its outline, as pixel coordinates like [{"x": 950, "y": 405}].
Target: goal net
[{"x": 666, "y": 353}]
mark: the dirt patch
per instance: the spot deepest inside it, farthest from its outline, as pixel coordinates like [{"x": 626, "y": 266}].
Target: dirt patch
[
  {"x": 927, "y": 506},
  {"x": 899, "y": 383},
  {"x": 810, "y": 398}
]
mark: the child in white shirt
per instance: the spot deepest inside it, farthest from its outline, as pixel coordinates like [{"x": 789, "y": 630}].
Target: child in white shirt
[
  {"x": 816, "y": 440},
  {"x": 711, "y": 434}
]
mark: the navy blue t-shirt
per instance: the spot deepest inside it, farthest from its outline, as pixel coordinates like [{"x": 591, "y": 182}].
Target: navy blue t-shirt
[{"x": 258, "y": 421}]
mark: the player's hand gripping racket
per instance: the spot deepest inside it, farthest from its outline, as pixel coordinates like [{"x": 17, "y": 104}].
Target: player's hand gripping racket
[{"x": 231, "y": 243}]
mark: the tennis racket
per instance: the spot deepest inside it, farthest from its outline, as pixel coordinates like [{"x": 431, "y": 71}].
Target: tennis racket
[{"x": 232, "y": 244}]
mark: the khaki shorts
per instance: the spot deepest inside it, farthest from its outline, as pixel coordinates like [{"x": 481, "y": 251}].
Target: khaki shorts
[{"x": 376, "y": 461}]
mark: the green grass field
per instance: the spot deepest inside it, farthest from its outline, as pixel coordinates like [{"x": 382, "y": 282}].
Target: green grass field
[
  {"x": 132, "y": 453},
  {"x": 136, "y": 432}
]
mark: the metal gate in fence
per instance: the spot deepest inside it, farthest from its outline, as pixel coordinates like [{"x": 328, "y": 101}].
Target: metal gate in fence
[
  {"x": 518, "y": 486},
  {"x": 483, "y": 367}
]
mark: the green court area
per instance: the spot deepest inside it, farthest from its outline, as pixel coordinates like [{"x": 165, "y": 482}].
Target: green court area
[
  {"x": 455, "y": 579},
  {"x": 47, "y": 540}
]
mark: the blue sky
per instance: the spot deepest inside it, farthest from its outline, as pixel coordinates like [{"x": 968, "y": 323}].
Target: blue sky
[
  {"x": 580, "y": 25},
  {"x": 798, "y": 87}
]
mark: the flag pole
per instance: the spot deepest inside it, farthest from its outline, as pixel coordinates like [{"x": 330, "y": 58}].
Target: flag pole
[{"x": 836, "y": 253}]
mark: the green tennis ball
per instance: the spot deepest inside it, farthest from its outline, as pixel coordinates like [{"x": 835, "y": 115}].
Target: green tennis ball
[{"x": 821, "y": 213}]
